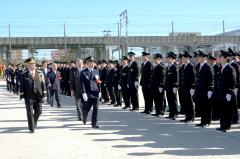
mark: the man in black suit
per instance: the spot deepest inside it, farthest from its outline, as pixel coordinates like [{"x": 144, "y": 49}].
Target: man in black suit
[
  {"x": 116, "y": 84},
  {"x": 204, "y": 89},
  {"x": 180, "y": 88},
  {"x": 124, "y": 82},
  {"x": 146, "y": 70},
  {"x": 75, "y": 87},
  {"x": 171, "y": 85},
  {"x": 133, "y": 81},
  {"x": 186, "y": 83},
  {"x": 103, "y": 78},
  {"x": 157, "y": 84},
  {"x": 227, "y": 86},
  {"x": 54, "y": 78},
  {"x": 90, "y": 88},
  {"x": 33, "y": 89}
]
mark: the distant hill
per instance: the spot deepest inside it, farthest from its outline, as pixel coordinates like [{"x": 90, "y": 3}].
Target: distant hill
[{"x": 231, "y": 33}]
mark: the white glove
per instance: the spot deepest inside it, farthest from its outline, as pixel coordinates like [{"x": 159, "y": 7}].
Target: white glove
[
  {"x": 22, "y": 100},
  {"x": 119, "y": 87},
  {"x": 175, "y": 90},
  {"x": 228, "y": 97},
  {"x": 192, "y": 91},
  {"x": 97, "y": 77},
  {"x": 45, "y": 99},
  {"x": 235, "y": 91},
  {"x": 160, "y": 89},
  {"x": 85, "y": 97},
  {"x": 136, "y": 84},
  {"x": 209, "y": 94},
  {"x": 99, "y": 95}
]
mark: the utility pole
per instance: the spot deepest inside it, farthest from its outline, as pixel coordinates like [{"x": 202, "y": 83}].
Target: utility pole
[
  {"x": 173, "y": 37},
  {"x": 223, "y": 36},
  {"x": 119, "y": 41},
  {"x": 10, "y": 42},
  {"x": 107, "y": 34},
  {"x": 65, "y": 43},
  {"x": 124, "y": 16}
]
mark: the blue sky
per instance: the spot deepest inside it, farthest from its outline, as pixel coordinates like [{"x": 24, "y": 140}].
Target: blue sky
[{"x": 91, "y": 17}]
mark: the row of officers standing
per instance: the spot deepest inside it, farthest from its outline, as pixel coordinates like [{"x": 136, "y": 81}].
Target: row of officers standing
[{"x": 207, "y": 88}]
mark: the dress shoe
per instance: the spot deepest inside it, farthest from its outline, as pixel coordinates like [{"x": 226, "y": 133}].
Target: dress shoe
[
  {"x": 144, "y": 112},
  {"x": 95, "y": 126},
  {"x": 84, "y": 121},
  {"x": 205, "y": 125},
  {"x": 134, "y": 109},
  {"x": 156, "y": 115},
  {"x": 222, "y": 129},
  {"x": 125, "y": 107},
  {"x": 199, "y": 125},
  {"x": 168, "y": 117},
  {"x": 234, "y": 122}
]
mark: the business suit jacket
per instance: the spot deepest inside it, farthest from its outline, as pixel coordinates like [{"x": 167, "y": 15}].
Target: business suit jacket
[
  {"x": 75, "y": 82},
  {"x": 33, "y": 89}
]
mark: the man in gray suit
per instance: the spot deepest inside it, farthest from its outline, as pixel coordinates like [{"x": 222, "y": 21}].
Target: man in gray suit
[
  {"x": 45, "y": 71},
  {"x": 54, "y": 78},
  {"x": 75, "y": 87}
]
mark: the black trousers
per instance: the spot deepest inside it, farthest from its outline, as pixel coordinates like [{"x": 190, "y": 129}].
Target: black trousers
[
  {"x": 159, "y": 101},
  {"x": 34, "y": 110},
  {"x": 126, "y": 97},
  {"x": 118, "y": 94},
  {"x": 105, "y": 94},
  {"x": 79, "y": 105},
  {"x": 56, "y": 94},
  {"x": 181, "y": 99},
  {"x": 172, "y": 102},
  {"x": 133, "y": 94},
  {"x": 148, "y": 99},
  {"x": 188, "y": 104},
  {"x": 226, "y": 112},
  {"x": 111, "y": 93},
  {"x": 92, "y": 102},
  {"x": 215, "y": 103},
  {"x": 202, "y": 101}
]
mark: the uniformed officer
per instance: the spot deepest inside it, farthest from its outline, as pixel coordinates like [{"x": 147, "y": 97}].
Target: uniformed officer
[
  {"x": 116, "y": 84},
  {"x": 33, "y": 89},
  {"x": 103, "y": 78},
  {"x": 204, "y": 89},
  {"x": 236, "y": 66},
  {"x": 227, "y": 86},
  {"x": 157, "y": 83},
  {"x": 124, "y": 82},
  {"x": 110, "y": 83},
  {"x": 133, "y": 81},
  {"x": 215, "y": 100},
  {"x": 186, "y": 83},
  {"x": 90, "y": 88},
  {"x": 180, "y": 88},
  {"x": 146, "y": 69},
  {"x": 171, "y": 85}
]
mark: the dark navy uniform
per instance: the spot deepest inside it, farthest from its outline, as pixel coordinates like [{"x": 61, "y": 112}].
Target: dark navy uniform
[
  {"x": 157, "y": 81},
  {"x": 133, "y": 77},
  {"x": 116, "y": 86},
  {"x": 146, "y": 70},
  {"x": 103, "y": 78},
  {"x": 91, "y": 88},
  {"x": 124, "y": 86}
]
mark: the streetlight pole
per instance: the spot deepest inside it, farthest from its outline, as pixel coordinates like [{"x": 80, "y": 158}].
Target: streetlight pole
[
  {"x": 223, "y": 36},
  {"x": 124, "y": 16},
  {"x": 10, "y": 42}
]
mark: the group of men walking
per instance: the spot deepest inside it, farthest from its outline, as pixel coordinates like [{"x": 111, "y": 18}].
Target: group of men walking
[{"x": 205, "y": 86}]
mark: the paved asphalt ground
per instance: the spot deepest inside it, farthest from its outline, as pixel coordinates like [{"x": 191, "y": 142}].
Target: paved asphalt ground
[{"x": 123, "y": 134}]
